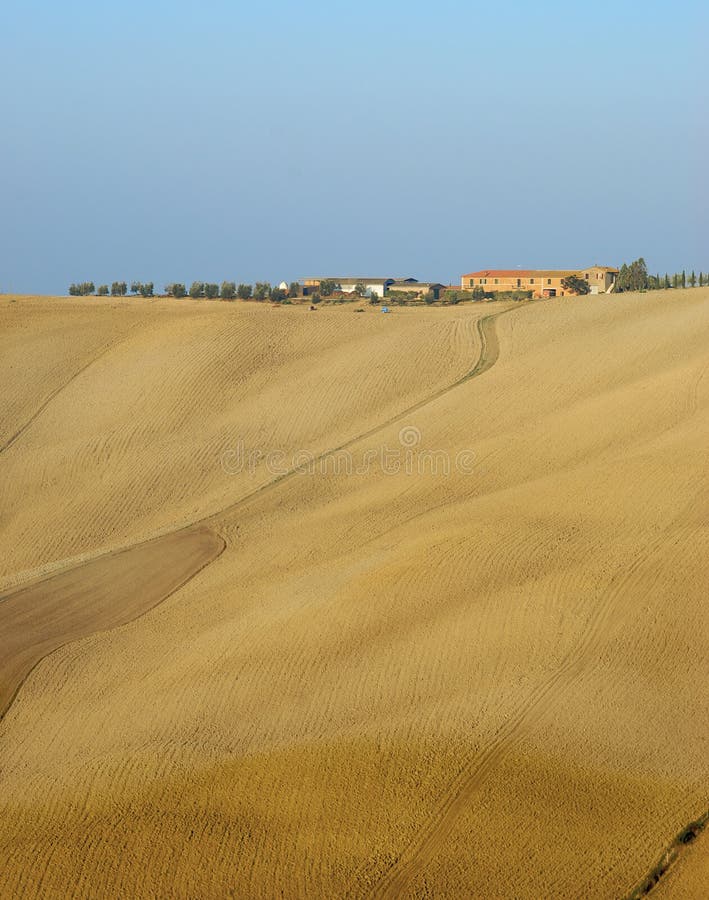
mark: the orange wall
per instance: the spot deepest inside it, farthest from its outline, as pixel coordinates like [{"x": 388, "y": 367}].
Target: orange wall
[
  {"x": 539, "y": 283},
  {"x": 532, "y": 283}
]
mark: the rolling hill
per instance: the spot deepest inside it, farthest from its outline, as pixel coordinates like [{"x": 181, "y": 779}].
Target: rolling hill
[{"x": 318, "y": 604}]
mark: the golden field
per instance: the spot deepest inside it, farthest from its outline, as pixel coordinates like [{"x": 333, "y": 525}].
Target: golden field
[{"x": 460, "y": 651}]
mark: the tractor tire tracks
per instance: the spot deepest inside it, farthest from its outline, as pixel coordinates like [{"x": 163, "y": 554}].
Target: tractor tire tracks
[
  {"x": 474, "y": 772},
  {"x": 62, "y": 387}
]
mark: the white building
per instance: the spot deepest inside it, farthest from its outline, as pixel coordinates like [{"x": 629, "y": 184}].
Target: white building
[{"x": 372, "y": 286}]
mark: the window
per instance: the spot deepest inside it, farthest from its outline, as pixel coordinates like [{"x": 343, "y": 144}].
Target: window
[
  {"x": 497, "y": 281},
  {"x": 472, "y": 282},
  {"x": 484, "y": 280},
  {"x": 531, "y": 281},
  {"x": 548, "y": 280},
  {"x": 481, "y": 281},
  {"x": 519, "y": 282}
]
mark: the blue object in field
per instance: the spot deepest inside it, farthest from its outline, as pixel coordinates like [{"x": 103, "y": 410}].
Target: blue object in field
[{"x": 385, "y": 309}]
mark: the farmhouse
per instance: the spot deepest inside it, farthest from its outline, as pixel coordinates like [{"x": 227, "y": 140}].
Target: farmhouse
[
  {"x": 542, "y": 282},
  {"x": 412, "y": 286}
]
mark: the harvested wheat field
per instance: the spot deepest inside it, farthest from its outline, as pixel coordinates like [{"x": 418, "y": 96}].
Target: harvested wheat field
[{"x": 300, "y": 604}]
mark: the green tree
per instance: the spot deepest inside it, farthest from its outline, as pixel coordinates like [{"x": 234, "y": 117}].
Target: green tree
[
  {"x": 667, "y": 280},
  {"x": 575, "y": 284},
  {"x": 328, "y": 287},
  {"x": 701, "y": 279},
  {"x": 197, "y": 290},
  {"x": 119, "y": 289},
  {"x": 478, "y": 292},
  {"x": 278, "y": 295},
  {"x": 83, "y": 289},
  {"x": 293, "y": 289},
  {"x": 211, "y": 291},
  {"x": 262, "y": 290},
  {"x": 175, "y": 290},
  {"x": 684, "y": 279},
  {"x": 244, "y": 291},
  {"x": 693, "y": 279},
  {"x": 360, "y": 289},
  {"x": 622, "y": 282},
  {"x": 638, "y": 275},
  {"x": 135, "y": 287},
  {"x": 146, "y": 289},
  {"x": 633, "y": 277},
  {"x": 102, "y": 290},
  {"x": 228, "y": 290}
]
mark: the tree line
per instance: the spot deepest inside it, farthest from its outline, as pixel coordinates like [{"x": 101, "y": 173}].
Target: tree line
[
  {"x": 227, "y": 290},
  {"x": 117, "y": 289},
  {"x": 634, "y": 276}
]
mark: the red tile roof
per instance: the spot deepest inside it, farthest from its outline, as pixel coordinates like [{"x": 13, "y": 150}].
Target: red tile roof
[
  {"x": 522, "y": 273},
  {"x": 532, "y": 273}
]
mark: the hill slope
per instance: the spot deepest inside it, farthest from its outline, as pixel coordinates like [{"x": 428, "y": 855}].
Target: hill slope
[{"x": 461, "y": 655}]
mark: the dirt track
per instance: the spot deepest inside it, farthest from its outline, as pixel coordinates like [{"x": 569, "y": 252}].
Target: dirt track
[{"x": 94, "y": 596}]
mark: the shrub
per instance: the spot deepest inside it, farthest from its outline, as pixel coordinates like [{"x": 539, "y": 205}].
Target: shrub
[
  {"x": 119, "y": 289},
  {"x": 243, "y": 292},
  {"x": 102, "y": 290},
  {"x": 278, "y": 295},
  {"x": 262, "y": 290},
  {"x": 508, "y": 295},
  {"x": 197, "y": 290},
  {"x": 211, "y": 291},
  {"x": 175, "y": 290},
  {"x": 455, "y": 297},
  {"x": 146, "y": 290}
]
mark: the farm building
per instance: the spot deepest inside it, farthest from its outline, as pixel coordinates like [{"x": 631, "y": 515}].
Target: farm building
[
  {"x": 412, "y": 286},
  {"x": 543, "y": 282},
  {"x": 348, "y": 284}
]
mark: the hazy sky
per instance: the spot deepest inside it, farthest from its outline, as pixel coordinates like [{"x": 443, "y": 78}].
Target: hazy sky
[{"x": 272, "y": 140}]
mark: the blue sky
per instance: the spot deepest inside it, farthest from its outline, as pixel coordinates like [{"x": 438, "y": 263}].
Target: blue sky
[{"x": 227, "y": 140}]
